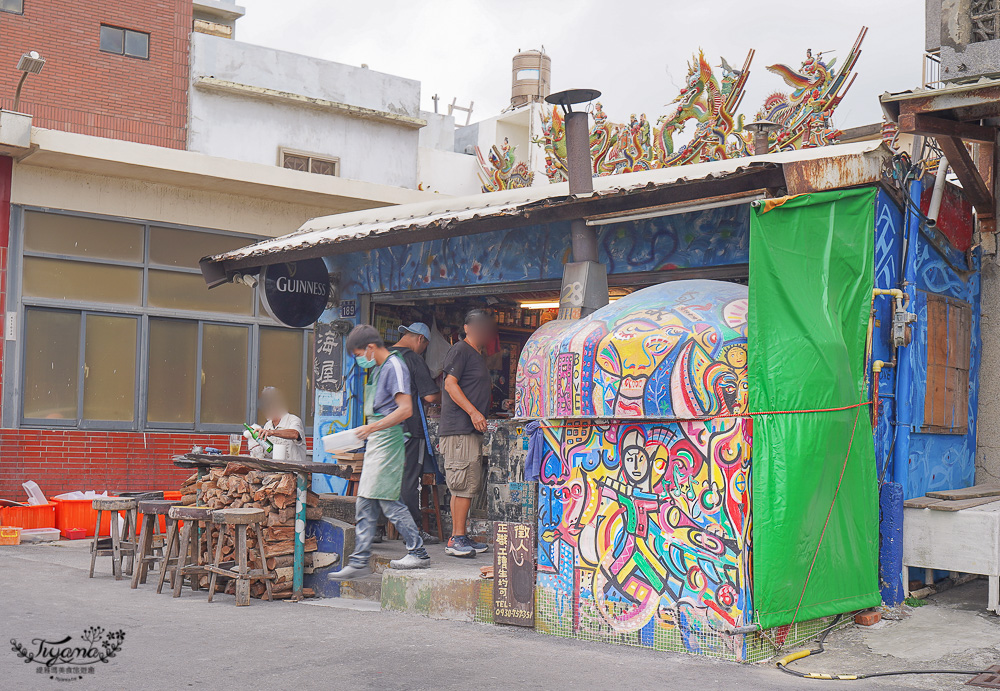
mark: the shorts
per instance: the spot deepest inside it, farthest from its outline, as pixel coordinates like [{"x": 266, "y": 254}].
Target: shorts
[{"x": 463, "y": 464}]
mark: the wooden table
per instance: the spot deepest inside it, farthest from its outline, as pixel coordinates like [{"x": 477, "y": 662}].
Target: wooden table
[
  {"x": 302, "y": 471},
  {"x": 955, "y": 530}
]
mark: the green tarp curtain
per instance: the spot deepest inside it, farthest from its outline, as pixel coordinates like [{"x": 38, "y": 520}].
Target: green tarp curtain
[{"x": 811, "y": 279}]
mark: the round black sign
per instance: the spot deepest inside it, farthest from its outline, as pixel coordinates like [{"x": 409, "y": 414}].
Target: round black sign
[{"x": 296, "y": 293}]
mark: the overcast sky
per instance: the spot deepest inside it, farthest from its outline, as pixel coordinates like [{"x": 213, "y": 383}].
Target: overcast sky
[{"x": 634, "y": 52}]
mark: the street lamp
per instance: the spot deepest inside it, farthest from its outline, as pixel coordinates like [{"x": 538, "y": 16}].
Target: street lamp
[
  {"x": 30, "y": 63},
  {"x": 761, "y": 135}
]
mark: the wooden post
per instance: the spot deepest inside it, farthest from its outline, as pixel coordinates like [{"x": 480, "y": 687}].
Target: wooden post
[
  {"x": 300, "y": 536},
  {"x": 243, "y": 580}
]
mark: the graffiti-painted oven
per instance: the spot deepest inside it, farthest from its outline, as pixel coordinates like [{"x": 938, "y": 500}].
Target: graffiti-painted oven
[{"x": 644, "y": 503}]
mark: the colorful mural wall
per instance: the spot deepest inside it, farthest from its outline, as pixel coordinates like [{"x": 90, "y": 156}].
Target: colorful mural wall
[
  {"x": 675, "y": 350},
  {"x": 644, "y": 524}
]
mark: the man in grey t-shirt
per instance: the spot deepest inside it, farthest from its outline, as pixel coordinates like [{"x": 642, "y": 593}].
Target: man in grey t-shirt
[{"x": 466, "y": 399}]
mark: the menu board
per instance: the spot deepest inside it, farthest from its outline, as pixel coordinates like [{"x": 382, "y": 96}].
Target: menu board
[{"x": 513, "y": 573}]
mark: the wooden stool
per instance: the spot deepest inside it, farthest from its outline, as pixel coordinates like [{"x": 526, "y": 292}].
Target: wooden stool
[
  {"x": 121, "y": 545},
  {"x": 430, "y": 504},
  {"x": 240, "y": 519},
  {"x": 183, "y": 557},
  {"x": 150, "y": 511}
]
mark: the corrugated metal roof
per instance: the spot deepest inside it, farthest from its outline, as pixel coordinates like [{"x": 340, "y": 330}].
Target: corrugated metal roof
[{"x": 339, "y": 228}]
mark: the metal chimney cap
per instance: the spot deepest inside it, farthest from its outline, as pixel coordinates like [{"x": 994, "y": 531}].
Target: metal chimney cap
[
  {"x": 570, "y": 97},
  {"x": 762, "y": 126}
]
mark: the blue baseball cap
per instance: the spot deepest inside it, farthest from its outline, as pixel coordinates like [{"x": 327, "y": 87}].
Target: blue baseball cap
[{"x": 418, "y": 328}]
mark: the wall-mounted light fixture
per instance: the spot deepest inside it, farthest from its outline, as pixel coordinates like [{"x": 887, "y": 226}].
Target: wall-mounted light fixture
[{"x": 30, "y": 63}]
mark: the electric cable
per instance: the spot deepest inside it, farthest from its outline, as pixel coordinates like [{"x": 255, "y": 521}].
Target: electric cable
[{"x": 783, "y": 663}]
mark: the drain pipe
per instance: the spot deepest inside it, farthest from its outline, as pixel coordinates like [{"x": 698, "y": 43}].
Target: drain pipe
[
  {"x": 585, "y": 279},
  {"x": 938, "y": 192}
]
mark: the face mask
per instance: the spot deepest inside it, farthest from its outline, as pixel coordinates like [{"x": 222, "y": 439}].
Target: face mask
[{"x": 364, "y": 362}]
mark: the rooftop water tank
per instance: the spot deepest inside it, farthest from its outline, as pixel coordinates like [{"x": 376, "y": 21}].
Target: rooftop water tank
[{"x": 530, "y": 78}]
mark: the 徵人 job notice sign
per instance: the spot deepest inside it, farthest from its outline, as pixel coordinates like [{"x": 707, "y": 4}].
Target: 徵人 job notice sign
[{"x": 513, "y": 574}]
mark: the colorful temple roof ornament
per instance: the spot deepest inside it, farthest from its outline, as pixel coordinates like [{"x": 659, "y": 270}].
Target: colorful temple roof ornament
[
  {"x": 708, "y": 102},
  {"x": 500, "y": 170}
]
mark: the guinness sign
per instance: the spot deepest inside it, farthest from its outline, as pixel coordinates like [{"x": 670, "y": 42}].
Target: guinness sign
[{"x": 295, "y": 293}]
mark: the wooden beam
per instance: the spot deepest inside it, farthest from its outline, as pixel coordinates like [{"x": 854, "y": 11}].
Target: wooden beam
[
  {"x": 928, "y": 125},
  {"x": 973, "y": 184}
]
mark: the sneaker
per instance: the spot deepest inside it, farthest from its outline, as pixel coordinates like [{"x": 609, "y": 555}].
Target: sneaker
[
  {"x": 350, "y": 572},
  {"x": 411, "y": 561},
  {"x": 430, "y": 539},
  {"x": 458, "y": 546},
  {"x": 480, "y": 547}
]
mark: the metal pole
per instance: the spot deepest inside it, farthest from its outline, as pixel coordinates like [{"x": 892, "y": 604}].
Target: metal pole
[
  {"x": 761, "y": 142},
  {"x": 17, "y": 94},
  {"x": 578, "y": 163},
  {"x": 298, "y": 562}
]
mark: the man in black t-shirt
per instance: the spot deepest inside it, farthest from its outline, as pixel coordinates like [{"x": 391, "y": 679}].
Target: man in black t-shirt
[
  {"x": 464, "y": 404},
  {"x": 423, "y": 389}
]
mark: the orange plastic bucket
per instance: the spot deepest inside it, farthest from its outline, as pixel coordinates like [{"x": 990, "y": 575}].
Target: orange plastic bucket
[{"x": 80, "y": 513}]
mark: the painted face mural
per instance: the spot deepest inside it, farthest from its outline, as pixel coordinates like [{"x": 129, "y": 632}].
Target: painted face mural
[
  {"x": 648, "y": 523},
  {"x": 644, "y": 511}
]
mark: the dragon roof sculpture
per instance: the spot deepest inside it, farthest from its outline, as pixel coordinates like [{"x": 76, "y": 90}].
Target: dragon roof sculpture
[{"x": 707, "y": 101}]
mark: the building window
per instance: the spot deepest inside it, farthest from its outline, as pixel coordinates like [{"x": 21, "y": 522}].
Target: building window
[
  {"x": 80, "y": 368},
  {"x": 120, "y": 331},
  {"x": 12, "y": 6},
  {"x": 308, "y": 163},
  {"x": 119, "y": 41},
  {"x": 985, "y": 15},
  {"x": 949, "y": 350}
]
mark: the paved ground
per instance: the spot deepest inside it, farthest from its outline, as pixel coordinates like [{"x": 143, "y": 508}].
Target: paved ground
[{"x": 188, "y": 643}]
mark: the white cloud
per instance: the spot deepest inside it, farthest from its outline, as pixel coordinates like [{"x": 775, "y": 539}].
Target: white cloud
[{"x": 634, "y": 52}]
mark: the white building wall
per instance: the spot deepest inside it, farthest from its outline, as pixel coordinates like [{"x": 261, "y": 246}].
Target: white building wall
[
  {"x": 447, "y": 172},
  {"x": 248, "y": 128}
]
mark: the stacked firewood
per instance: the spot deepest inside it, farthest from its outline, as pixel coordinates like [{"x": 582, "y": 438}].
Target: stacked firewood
[{"x": 237, "y": 486}]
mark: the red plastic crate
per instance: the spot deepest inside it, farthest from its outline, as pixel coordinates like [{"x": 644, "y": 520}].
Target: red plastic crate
[{"x": 41, "y": 516}]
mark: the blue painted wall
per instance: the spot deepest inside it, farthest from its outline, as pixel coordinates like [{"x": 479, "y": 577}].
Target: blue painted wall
[{"x": 931, "y": 461}]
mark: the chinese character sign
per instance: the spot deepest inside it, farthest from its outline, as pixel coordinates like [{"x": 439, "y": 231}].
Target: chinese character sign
[
  {"x": 329, "y": 362},
  {"x": 513, "y": 573}
]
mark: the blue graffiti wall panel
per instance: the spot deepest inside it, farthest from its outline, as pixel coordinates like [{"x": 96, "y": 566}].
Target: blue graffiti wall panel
[
  {"x": 708, "y": 238},
  {"x": 939, "y": 461},
  {"x": 888, "y": 263}
]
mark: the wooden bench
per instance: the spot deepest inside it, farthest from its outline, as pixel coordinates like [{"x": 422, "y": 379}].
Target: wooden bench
[{"x": 955, "y": 530}]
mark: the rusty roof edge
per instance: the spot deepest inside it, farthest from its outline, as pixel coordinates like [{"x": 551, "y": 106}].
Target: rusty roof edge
[
  {"x": 862, "y": 168},
  {"x": 356, "y": 226}
]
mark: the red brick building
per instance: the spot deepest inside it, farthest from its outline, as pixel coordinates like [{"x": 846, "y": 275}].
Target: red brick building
[
  {"x": 115, "y": 356},
  {"x": 113, "y": 69}
]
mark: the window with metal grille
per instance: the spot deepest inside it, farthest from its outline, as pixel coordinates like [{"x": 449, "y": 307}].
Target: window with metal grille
[
  {"x": 949, "y": 349},
  {"x": 985, "y": 15},
  {"x": 309, "y": 163}
]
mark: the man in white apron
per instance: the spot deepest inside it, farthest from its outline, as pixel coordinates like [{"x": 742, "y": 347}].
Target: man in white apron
[
  {"x": 284, "y": 430},
  {"x": 387, "y": 404}
]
